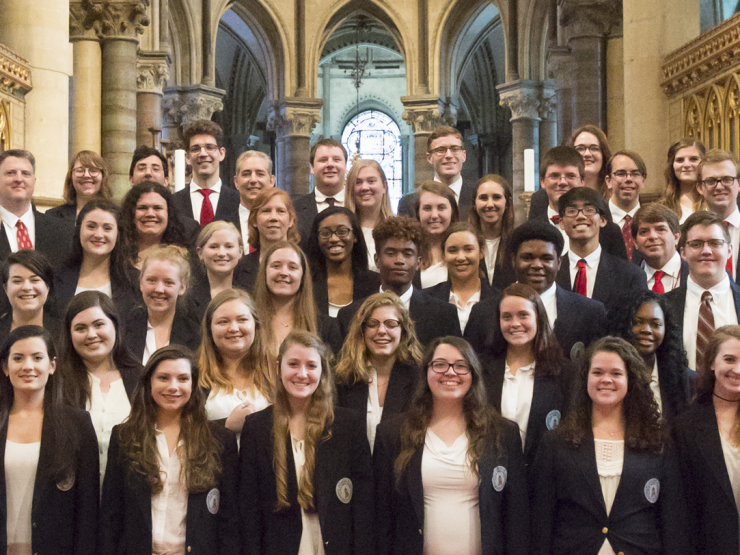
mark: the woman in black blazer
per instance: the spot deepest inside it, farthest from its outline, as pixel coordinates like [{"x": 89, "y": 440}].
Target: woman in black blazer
[
  {"x": 306, "y": 472},
  {"x": 527, "y": 358},
  {"x": 49, "y": 445},
  {"x": 706, "y": 438},
  {"x": 163, "y": 320},
  {"x": 379, "y": 362},
  {"x": 646, "y": 322},
  {"x": 450, "y": 473},
  {"x": 99, "y": 259},
  {"x": 604, "y": 481},
  {"x": 337, "y": 254}
]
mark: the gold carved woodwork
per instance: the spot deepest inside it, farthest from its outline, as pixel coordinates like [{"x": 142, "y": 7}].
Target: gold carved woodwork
[{"x": 4, "y": 125}]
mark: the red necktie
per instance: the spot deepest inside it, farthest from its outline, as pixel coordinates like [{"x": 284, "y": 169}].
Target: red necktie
[
  {"x": 206, "y": 209},
  {"x": 580, "y": 284},
  {"x": 21, "y": 234},
  {"x": 705, "y": 326},
  {"x": 658, "y": 285},
  {"x": 629, "y": 241},
  {"x": 730, "y": 266},
  {"x": 555, "y": 219}
]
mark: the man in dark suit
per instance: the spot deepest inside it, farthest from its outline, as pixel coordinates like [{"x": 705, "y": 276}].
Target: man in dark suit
[
  {"x": 587, "y": 269},
  {"x": 562, "y": 169},
  {"x": 656, "y": 231},
  {"x": 328, "y": 160},
  {"x": 710, "y": 299},
  {"x": 446, "y": 153},
  {"x": 398, "y": 241},
  {"x": 23, "y": 225},
  {"x": 536, "y": 249},
  {"x": 207, "y": 198},
  {"x": 625, "y": 180},
  {"x": 253, "y": 175},
  {"x": 148, "y": 164}
]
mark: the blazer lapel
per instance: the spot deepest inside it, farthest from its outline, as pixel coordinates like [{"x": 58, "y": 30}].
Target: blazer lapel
[
  {"x": 604, "y": 277},
  {"x": 416, "y": 489},
  {"x": 563, "y": 279},
  {"x": 494, "y": 375},
  {"x": 4, "y": 244},
  {"x": 710, "y": 445},
  {"x": 357, "y": 397},
  {"x": 736, "y": 296},
  {"x": 398, "y": 389},
  {"x": 585, "y": 459},
  {"x": 541, "y": 394}
]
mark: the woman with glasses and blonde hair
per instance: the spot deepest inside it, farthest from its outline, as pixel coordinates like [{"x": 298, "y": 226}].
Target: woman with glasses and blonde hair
[
  {"x": 306, "y": 471},
  {"x": 86, "y": 179},
  {"x": 379, "y": 362}
]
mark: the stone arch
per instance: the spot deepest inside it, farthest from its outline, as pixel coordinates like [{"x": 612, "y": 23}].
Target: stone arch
[
  {"x": 186, "y": 56},
  {"x": 533, "y": 41},
  {"x": 368, "y": 102}
]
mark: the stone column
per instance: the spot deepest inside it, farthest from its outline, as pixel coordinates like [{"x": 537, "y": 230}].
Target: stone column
[
  {"x": 86, "y": 100},
  {"x": 181, "y": 105},
  {"x": 548, "y": 118},
  {"x": 121, "y": 21},
  {"x": 559, "y": 72},
  {"x": 523, "y": 99},
  {"x": 38, "y": 31},
  {"x": 423, "y": 113},
  {"x": 152, "y": 72},
  {"x": 292, "y": 120}
]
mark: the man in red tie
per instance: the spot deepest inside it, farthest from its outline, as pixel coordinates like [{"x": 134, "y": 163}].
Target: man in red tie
[
  {"x": 717, "y": 183},
  {"x": 656, "y": 231},
  {"x": 625, "y": 180}
]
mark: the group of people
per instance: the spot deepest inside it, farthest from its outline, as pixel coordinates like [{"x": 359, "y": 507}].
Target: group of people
[{"x": 232, "y": 370}]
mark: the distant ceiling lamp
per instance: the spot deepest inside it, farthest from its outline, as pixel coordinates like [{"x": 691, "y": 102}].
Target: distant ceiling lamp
[{"x": 357, "y": 71}]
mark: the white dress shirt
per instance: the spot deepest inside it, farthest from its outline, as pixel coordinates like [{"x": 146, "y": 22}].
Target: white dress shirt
[
  {"x": 566, "y": 240},
  {"x": 456, "y": 187},
  {"x": 367, "y": 232},
  {"x": 731, "y": 454},
  {"x": 619, "y": 215},
  {"x": 733, "y": 221},
  {"x": 592, "y": 266},
  {"x": 243, "y": 221},
  {"x": 151, "y": 343},
  {"x": 374, "y": 410},
  {"x": 672, "y": 277},
  {"x": 21, "y": 463},
  {"x": 550, "y": 300},
  {"x": 221, "y": 404},
  {"x": 106, "y": 410},
  {"x": 321, "y": 203},
  {"x": 10, "y": 221},
  {"x": 406, "y": 297},
  {"x": 311, "y": 540},
  {"x": 723, "y": 309},
  {"x": 463, "y": 311},
  {"x": 196, "y": 198},
  {"x": 516, "y": 396},
  {"x": 490, "y": 256},
  {"x": 170, "y": 506},
  {"x": 105, "y": 288},
  {"x": 655, "y": 385}
]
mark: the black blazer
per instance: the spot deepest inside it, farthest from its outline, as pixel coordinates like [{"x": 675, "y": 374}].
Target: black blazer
[
  {"x": 464, "y": 203},
  {"x": 65, "y": 212},
  {"x": 226, "y": 210},
  {"x": 433, "y": 318},
  {"x": 713, "y": 522},
  {"x": 245, "y": 273},
  {"x": 126, "y": 507},
  {"x": 306, "y": 211},
  {"x": 441, "y": 291},
  {"x": 364, "y": 284},
  {"x": 400, "y": 508},
  {"x": 568, "y": 511},
  {"x": 64, "y": 519},
  {"x": 683, "y": 272},
  {"x": 580, "y": 319},
  {"x": 51, "y": 323},
  {"x": 65, "y": 285},
  {"x": 675, "y": 389},
  {"x": 614, "y": 277},
  {"x": 185, "y": 331},
  {"x": 346, "y": 523},
  {"x": 53, "y": 238}
]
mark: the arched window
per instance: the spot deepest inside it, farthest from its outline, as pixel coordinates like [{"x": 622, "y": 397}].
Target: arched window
[{"x": 374, "y": 135}]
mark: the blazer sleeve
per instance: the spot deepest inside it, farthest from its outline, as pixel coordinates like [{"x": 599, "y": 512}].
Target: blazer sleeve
[
  {"x": 515, "y": 503},
  {"x": 229, "y": 537},
  {"x": 250, "y": 511},
  {"x": 383, "y": 458},
  {"x": 363, "y": 504},
  {"x": 88, "y": 490},
  {"x": 112, "y": 505},
  {"x": 543, "y": 497},
  {"x": 673, "y": 509}
]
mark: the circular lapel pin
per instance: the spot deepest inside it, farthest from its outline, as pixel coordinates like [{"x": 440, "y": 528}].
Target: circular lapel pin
[
  {"x": 344, "y": 490},
  {"x": 212, "y": 501},
  {"x": 553, "y": 419},
  {"x": 499, "y": 478},
  {"x": 652, "y": 490}
]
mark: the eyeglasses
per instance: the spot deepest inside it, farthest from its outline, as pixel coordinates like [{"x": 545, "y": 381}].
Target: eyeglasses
[
  {"x": 440, "y": 366},
  {"x": 79, "y": 172},
  {"x": 583, "y": 148},
  {"x": 621, "y": 174},
  {"x": 341, "y": 232},
  {"x": 572, "y": 211},
  {"x": 442, "y": 150},
  {"x": 726, "y": 180},
  {"x": 195, "y": 149},
  {"x": 373, "y": 324},
  {"x": 698, "y": 244},
  {"x": 557, "y": 177}
]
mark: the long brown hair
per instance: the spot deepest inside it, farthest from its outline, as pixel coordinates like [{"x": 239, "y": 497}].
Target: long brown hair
[
  {"x": 672, "y": 192},
  {"x": 319, "y": 418},
  {"x": 606, "y": 152},
  {"x": 201, "y": 456},
  {"x": 349, "y": 196},
  {"x": 507, "y": 218}
]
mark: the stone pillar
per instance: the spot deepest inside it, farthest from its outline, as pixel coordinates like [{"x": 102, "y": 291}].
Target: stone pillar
[
  {"x": 423, "y": 113},
  {"x": 86, "y": 100},
  {"x": 152, "y": 72},
  {"x": 38, "y": 31},
  {"x": 559, "y": 72},
  {"x": 548, "y": 118},
  {"x": 523, "y": 99},
  {"x": 292, "y": 120}
]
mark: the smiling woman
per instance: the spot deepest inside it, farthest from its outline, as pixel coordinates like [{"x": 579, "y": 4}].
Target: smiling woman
[{"x": 86, "y": 179}]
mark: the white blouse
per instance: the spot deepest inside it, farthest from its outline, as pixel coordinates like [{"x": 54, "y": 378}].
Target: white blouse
[
  {"x": 106, "y": 410},
  {"x": 436, "y": 273},
  {"x": 151, "y": 343},
  {"x": 21, "y": 462},
  {"x": 609, "y": 462},
  {"x": 451, "y": 513},
  {"x": 516, "y": 396},
  {"x": 105, "y": 288},
  {"x": 655, "y": 385},
  {"x": 463, "y": 312},
  {"x": 170, "y": 506},
  {"x": 374, "y": 410},
  {"x": 220, "y": 404},
  {"x": 732, "y": 463},
  {"x": 367, "y": 232},
  {"x": 312, "y": 542},
  {"x": 490, "y": 256}
]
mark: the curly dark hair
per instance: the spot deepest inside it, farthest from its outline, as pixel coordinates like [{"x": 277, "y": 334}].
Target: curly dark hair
[
  {"x": 399, "y": 227},
  {"x": 643, "y": 430},
  {"x": 203, "y": 127}
]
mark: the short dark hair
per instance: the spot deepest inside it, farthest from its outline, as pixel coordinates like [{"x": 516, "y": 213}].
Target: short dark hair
[
  {"x": 535, "y": 231},
  {"x": 654, "y": 213},
  {"x": 703, "y": 218},
  {"x": 19, "y": 153},
  {"x": 144, "y": 151},
  {"x": 562, "y": 156},
  {"x": 34, "y": 261},
  {"x": 587, "y": 195},
  {"x": 399, "y": 227},
  {"x": 442, "y": 131},
  {"x": 326, "y": 142},
  {"x": 636, "y": 158},
  {"x": 203, "y": 127}
]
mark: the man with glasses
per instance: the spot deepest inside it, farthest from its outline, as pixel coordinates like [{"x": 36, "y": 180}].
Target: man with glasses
[
  {"x": 207, "y": 199},
  {"x": 710, "y": 299},
  {"x": 148, "y": 164},
  {"x": 625, "y": 180},
  {"x": 586, "y": 268},
  {"x": 446, "y": 154},
  {"x": 717, "y": 183}
]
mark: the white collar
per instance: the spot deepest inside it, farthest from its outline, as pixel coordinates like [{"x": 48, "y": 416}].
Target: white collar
[
  {"x": 734, "y": 218},
  {"x": 720, "y": 289},
  {"x": 547, "y": 295},
  {"x": 216, "y": 187},
  {"x": 592, "y": 260},
  {"x": 11, "y": 219},
  {"x": 456, "y": 186},
  {"x": 406, "y": 297},
  {"x": 321, "y": 197},
  {"x": 671, "y": 268},
  {"x": 618, "y": 214}
]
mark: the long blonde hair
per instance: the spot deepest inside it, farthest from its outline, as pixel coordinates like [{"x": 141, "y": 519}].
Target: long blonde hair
[
  {"x": 349, "y": 195},
  {"x": 319, "y": 417}
]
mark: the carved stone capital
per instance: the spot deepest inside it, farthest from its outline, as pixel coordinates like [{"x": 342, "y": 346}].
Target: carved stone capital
[
  {"x": 548, "y": 107},
  {"x": 15, "y": 73},
  {"x": 83, "y": 24},
  {"x": 182, "y": 105},
  {"x": 118, "y": 19},
  {"x": 559, "y": 64},
  {"x": 152, "y": 71},
  {"x": 591, "y": 18},
  {"x": 425, "y": 112},
  {"x": 522, "y": 97},
  {"x": 294, "y": 116}
]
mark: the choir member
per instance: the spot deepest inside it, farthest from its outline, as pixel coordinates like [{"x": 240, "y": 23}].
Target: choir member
[
  {"x": 681, "y": 174},
  {"x": 593, "y": 146},
  {"x": 86, "y": 179},
  {"x": 656, "y": 231},
  {"x": 625, "y": 180},
  {"x": 436, "y": 209},
  {"x": 306, "y": 472},
  {"x": 171, "y": 481}
]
